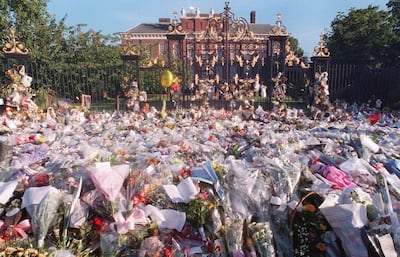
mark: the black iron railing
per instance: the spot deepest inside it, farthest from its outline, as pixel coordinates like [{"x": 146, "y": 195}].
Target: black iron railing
[{"x": 351, "y": 83}]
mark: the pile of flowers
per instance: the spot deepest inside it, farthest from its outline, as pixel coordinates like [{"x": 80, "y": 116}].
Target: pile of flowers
[{"x": 199, "y": 182}]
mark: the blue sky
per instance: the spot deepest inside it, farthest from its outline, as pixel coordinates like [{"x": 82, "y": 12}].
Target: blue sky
[{"x": 304, "y": 19}]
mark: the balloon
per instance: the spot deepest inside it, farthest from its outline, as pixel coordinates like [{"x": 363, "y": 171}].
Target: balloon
[{"x": 166, "y": 78}]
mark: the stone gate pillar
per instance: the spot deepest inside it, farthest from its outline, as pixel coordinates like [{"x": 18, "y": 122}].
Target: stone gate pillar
[
  {"x": 278, "y": 37},
  {"x": 321, "y": 57}
]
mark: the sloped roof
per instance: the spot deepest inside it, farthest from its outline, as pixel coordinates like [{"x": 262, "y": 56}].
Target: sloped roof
[
  {"x": 260, "y": 28},
  {"x": 149, "y": 28}
]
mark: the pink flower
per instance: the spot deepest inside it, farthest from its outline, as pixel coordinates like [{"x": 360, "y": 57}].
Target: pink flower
[
  {"x": 71, "y": 182},
  {"x": 203, "y": 195},
  {"x": 211, "y": 138}
]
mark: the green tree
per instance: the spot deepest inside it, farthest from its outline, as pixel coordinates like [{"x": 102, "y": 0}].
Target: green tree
[
  {"x": 83, "y": 56},
  {"x": 89, "y": 48},
  {"x": 294, "y": 45},
  {"x": 394, "y": 10},
  {"x": 33, "y": 24},
  {"x": 50, "y": 41},
  {"x": 56, "y": 49},
  {"x": 361, "y": 37}
]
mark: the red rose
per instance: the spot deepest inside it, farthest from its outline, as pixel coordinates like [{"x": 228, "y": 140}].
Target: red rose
[
  {"x": 32, "y": 139},
  {"x": 40, "y": 180},
  {"x": 167, "y": 252},
  {"x": 139, "y": 199},
  {"x": 98, "y": 223},
  {"x": 185, "y": 173},
  {"x": 5, "y": 237},
  {"x": 175, "y": 87},
  {"x": 374, "y": 118}
]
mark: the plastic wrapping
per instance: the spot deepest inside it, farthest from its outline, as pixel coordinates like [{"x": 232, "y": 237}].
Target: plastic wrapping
[
  {"x": 253, "y": 171},
  {"x": 42, "y": 204}
]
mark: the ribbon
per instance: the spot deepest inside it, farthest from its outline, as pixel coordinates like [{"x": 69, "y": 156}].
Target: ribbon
[
  {"x": 20, "y": 228},
  {"x": 123, "y": 225},
  {"x": 17, "y": 229}
]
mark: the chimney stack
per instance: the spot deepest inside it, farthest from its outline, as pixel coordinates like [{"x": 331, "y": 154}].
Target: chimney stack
[
  {"x": 164, "y": 20},
  {"x": 253, "y": 17}
]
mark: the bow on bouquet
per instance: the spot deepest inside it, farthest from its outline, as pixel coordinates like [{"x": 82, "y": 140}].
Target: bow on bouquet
[
  {"x": 13, "y": 226},
  {"x": 123, "y": 225}
]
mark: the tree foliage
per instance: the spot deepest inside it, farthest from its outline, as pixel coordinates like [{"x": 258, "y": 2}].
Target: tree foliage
[
  {"x": 294, "y": 44},
  {"x": 55, "y": 48},
  {"x": 83, "y": 57},
  {"x": 53, "y": 42},
  {"x": 364, "y": 36},
  {"x": 394, "y": 10}
]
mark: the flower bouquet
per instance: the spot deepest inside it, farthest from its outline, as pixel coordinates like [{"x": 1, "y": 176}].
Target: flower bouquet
[
  {"x": 262, "y": 238},
  {"x": 42, "y": 204},
  {"x": 234, "y": 234},
  {"x": 285, "y": 177},
  {"x": 197, "y": 213}
]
